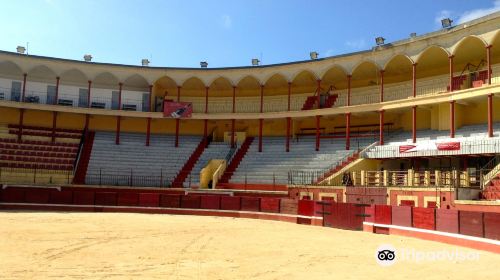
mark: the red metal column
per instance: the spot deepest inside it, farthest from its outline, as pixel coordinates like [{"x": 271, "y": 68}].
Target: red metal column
[
  {"x": 57, "y": 90},
  {"x": 288, "y": 128},
  {"x": 150, "y": 97},
  {"x": 381, "y": 127},
  {"x": 54, "y": 125},
  {"x": 414, "y": 79},
  {"x": 414, "y": 124},
  {"x": 206, "y": 100},
  {"x": 148, "y": 131},
  {"x": 452, "y": 119},
  {"x": 318, "y": 99},
  {"x": 232, "y": 132},
  {"x": 490, "y": 115},
  {"x": 317, "y": 132},
  {"x": 88, "y": 94},
  {"x": 21, "y": 121},
  {"x": 24, "y": 86},
  {"x": 450, "y": 60},
  {"x": 261, "y": 98},
  {"x": 488, "y": 62},
  {"x": 381, "y": 85},
  {"x": 348, "y": 131},
  {"x": 349, "y": 90},
  {"x": 177, "y": 124},
  {"x": 117, "y": 138},
  {"x": 289, "y": 94},
  {"x": 260, "y": 134},
  {"x": 119, "y": 96}
]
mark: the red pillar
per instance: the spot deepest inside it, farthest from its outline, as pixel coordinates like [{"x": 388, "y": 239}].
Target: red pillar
[
  {"x": 117, "y": 138},
  {"x": 120, "y": 85},
  {"x": 288, "y": 128},
  {"x": 57, "y": 90},
  {"x": 88, "y": 94},
  {"x": 349, "y": 90},
  {"x": 261, "y": 98},
  {"x": 21, "y": 121},
  {"x": 450, "y": 60},
  {"x": 289, "y": 94},
  {"x": 177, "y": 124},
  {"x": 348, "y": 131},
  {"x": 232, "y": 132},
  {"x": 87, "y": 121},
  {"x": 488, "y": 62},
  {"x": 206, "y": 100},
  {"x": 54, "y": 125},
  {"x": 24, "y": 86},
  {"x": 381, "y": 85},
  {"x": 414, "y": 79},
  {"x": 150, "y": 97},
  {"x": 452, "y": 119},
  {"x": 490, "y": 115},
  {"x": 381, "y": 127},
  {"x": 317, "y": 132},
  {"x": 318, "y": 99},
  {"x": 148, "y": 131},
  {"x": 260, "y": 134},
  {"x": 414, "y": 124}
]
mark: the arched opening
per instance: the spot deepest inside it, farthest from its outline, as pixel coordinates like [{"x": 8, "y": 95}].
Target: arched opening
[
  {"x": 41, "y": 85},
  {"x": 398, "y": 75},
  {"x": 248, "y": 95},
  {"x": 432, "y": 71},
  {"x": 193, "y": 90},
  {"x": 495, "y": 59},
  {"x": 106, "y": 80},
  {"x": 365, "y": 83},
  {"x": 164, "y": 87},
  {"x": 305, "y": 82},
  {"x": 221, "y": 96},
  {"x": 11, "y": 84},
  {"x": 276, "y": 94},
  {"x": 73, "y": 88},
  {"x": 136, "y": 93},
  {"x": 469, "y": 63},
  {"x": 334, "y": 82}
]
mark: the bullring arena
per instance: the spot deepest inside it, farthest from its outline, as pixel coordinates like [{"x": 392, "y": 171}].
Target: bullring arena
[{"x": 375, "y": 164}]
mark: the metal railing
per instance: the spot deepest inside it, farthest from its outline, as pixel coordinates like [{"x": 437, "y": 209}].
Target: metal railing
[
  {"x": 9, "y": 175},
  {"x": 127, "y": 178}
]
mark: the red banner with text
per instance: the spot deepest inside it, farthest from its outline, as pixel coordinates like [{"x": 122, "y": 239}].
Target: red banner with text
[{"x": 177, "y": 110}]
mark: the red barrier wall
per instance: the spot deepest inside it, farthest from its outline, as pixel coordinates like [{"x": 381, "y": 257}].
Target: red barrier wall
[
  {"x": 61, "y": 197},
  {"x": 424, "y": 218},
  {"x": 271, "y": 205},
  {"x": 383, "y": 214},
  {"x": 401, "y": 216},
  {"x": 210, "y": 202},
  {"x": 447, "y": 220},
  {"x": 190, "y": 201},
  {"x": 230, "y": 203},
  {"x": 149, "y": 199},
  {"x": 250, "y": 203},
  {"x": 13, "y": 195},
  {"x": 170, "y": 200},
  {"x": 471, "y": 223},
  {"x": 105, "y": 198},
  {"x": 492, "y": 225},
  {"x": 306, "y": 207},
  {"x": 370, "y": 214},
  {"x": 289, "y": 206},
  {"x": 127, "y": 199},
  {"x": 36, "y": 195},
  {"x": 346, "y": 216},
  {"x": 83, "y": 198}
]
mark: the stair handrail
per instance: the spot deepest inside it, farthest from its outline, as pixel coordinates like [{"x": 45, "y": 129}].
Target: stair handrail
[
  {"x": 490, "y": 170},
  {"x": 80, "y": 149}
]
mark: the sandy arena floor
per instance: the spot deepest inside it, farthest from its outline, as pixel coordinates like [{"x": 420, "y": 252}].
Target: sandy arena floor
[{"x": 138, "y": 246}]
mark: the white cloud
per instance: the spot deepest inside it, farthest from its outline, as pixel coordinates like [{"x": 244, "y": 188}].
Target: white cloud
[
  {"x": 226, "y": 21},
  {"x": 477, "y": 13},
  {"x": 459, "y": 18},
  {"x": 356, "y": 44}
]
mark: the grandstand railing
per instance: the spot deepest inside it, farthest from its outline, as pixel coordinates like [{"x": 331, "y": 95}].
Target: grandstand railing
[
  {"x": 104, "y": 177},
  {"x": 10, "y": 175}
]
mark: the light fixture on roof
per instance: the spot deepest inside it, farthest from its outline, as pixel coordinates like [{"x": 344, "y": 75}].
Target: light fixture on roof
[
  {"x": 20, "y": 49},
  {"x": 413, "y": 35},
  {"x": 446, "y": 22},
  {"x": 87, "y": 58},
  {"x": 203, "y": 64},
  {"x": 255, "y": 62},
  {"x": 145, "y": 62},
  {"x": 313, "y": 55},
  {"x": 379, "y": 41}
]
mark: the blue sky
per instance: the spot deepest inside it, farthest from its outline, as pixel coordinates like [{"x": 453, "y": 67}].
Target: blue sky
[{"x": 182, "y": 33}]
